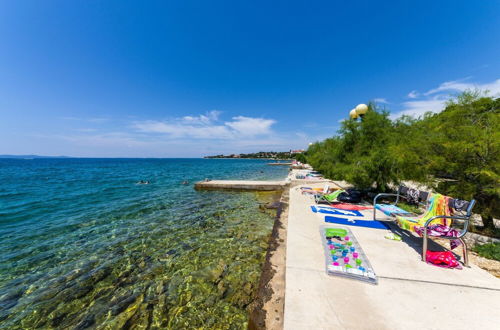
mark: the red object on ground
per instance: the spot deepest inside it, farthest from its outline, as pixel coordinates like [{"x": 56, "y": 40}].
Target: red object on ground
[
  {"x": 444, "y": 259},
  {"x": 348, "y": 206}
]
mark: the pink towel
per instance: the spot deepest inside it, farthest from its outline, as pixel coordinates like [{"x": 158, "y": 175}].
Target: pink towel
[{"x": 348, "y": 206}]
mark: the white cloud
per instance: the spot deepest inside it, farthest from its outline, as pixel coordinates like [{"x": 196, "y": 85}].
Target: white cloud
[
  {"x": 460, "y": 86},
  {"x": 493, "y": 88},
  {"x": 413, "y": 94},
  {"x": 418, "y": 108},
  {"x": 203, "y": 119},
  {"x": 380, "y": 100},
  {"x": 207, "y": 127},
  {"x": 435, "y": 99},
  {"x": 111, "y": 139},
  {"x": 248, "y": 126},
  {"x": 179, "y": 130},
  {"x": 184, "y": 136}
]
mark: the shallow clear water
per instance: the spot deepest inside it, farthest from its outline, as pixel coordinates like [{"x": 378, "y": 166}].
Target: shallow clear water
[{"x": 84, "y": 246}]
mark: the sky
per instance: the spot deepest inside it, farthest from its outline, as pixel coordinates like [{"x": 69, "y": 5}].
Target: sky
[{"x": 194, "y": 78}]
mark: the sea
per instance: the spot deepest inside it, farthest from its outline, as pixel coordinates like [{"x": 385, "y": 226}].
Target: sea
[{"x": 85, "y": 246}]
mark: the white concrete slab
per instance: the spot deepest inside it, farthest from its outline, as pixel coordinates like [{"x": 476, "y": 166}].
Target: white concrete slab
[{"x": 410, "y": 293}]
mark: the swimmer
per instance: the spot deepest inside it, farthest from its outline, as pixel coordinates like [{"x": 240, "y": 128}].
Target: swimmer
[{"x": 185, "y": 182}]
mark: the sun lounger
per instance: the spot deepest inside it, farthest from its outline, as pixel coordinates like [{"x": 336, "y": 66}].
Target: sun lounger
[
  {"x": 315, "y": 191},
  {"x": 444, "y": 217},
  {"x": 328, "y": 198}
]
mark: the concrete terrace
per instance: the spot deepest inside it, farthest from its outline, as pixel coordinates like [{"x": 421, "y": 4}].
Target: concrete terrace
[{"x": 410, "y": 293}]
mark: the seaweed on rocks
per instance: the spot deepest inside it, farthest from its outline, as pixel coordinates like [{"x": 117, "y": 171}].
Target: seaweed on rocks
[{"x": 199, "y": 270}]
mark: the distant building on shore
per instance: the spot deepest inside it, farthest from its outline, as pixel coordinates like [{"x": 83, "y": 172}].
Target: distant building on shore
[{"x": 261, "y": 154}]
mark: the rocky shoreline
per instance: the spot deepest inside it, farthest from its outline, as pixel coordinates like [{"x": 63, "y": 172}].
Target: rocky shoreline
[{"x": 268, "y": 309}]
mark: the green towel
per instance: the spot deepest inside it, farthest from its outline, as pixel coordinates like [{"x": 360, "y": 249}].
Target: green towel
[
  {"x": 333, "y": 196},
  {"x": 330, "y": 232}
]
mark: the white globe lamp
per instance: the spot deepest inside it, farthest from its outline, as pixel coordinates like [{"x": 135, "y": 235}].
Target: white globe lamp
[
  {"x": 353, "y": 114},
  {"x": 361, "y": 109}
]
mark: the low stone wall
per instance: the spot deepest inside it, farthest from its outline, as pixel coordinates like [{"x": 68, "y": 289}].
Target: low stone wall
[{"x": 473, "y": 239}]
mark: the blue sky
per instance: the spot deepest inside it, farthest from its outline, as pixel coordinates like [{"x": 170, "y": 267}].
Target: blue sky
[{"x": 191, "y": 78}]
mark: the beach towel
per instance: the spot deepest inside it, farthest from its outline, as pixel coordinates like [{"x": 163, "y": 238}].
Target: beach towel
[
  {"x": 438, "y": 205},
  {"x": 438, "y": 230},
  {"x": 333, "y": 196},
  {"x": 347, "y": 206},
  {"x": 357, "y": 223},
  {"x": 331, "y": 210},
  {"x": 391, "y": 210}
]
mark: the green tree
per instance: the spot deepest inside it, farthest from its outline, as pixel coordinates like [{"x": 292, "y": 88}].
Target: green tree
[
  {"x": 457, "y": 151},
  {"x": 360, "y": 153},
  {"x": 464, "y": 151}
]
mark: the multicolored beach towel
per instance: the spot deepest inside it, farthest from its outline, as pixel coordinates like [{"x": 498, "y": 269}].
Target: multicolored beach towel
[{"x": 438, "y": 205}]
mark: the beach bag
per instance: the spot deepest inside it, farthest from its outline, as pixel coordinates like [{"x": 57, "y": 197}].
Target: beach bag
[
  {"x": 350, "y": 196},
  {"x": 444, "y": 259}
]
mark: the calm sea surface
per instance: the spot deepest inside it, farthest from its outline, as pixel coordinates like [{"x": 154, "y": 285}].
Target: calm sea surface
[{"x": 83, "y": 246}]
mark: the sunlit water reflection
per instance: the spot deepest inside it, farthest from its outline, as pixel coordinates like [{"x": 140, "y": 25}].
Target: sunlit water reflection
[{"x": 84, "y": 246}]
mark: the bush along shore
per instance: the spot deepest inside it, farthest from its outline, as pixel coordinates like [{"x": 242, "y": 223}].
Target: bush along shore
[{"x": 456, "y": 152}]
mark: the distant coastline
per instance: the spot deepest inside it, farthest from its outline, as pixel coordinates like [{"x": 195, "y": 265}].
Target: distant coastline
[
  {"x": 271, "y": 155},
  {"x": 30, "y": 156}
]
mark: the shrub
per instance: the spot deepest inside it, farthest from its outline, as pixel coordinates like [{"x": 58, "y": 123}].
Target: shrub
[
  {"x": 490, "y": 250},
  {"x": 456, "y": 151}
]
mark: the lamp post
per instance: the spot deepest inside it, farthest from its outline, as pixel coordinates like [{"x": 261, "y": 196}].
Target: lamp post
[{"x": 359, "y": 111}]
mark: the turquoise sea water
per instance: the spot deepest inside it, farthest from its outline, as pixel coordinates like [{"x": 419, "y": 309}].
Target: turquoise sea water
[{"x": 84, "y": 246}]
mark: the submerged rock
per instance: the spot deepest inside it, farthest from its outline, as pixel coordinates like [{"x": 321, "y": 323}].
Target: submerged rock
[
  {"x": 87, "y": 322},
  {"x": 122, "y": 303},
  {"x": 198, "y": 271},
  {"x": 273, "y": 205},
  {"x": 11, "y": 298}
]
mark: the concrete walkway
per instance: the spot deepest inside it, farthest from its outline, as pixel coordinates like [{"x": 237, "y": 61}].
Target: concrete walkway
[{"x": 410, "y": 293}]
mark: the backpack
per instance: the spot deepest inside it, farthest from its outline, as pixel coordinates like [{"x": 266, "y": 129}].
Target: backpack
[{"x": 350, "y": 196}]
